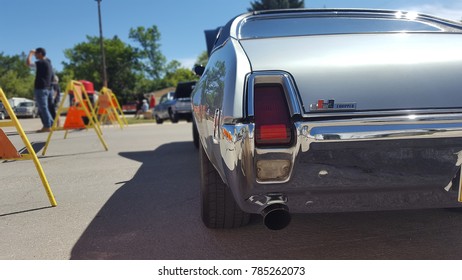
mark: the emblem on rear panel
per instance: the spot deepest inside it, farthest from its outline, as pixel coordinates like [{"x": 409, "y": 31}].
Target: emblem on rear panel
[{"x": 331, "y": 105}]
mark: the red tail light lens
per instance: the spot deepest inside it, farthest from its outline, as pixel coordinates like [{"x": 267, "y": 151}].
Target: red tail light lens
[{"x": 272, "y": 118}]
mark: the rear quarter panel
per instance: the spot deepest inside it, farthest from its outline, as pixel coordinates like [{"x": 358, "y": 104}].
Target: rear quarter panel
[{"x": 219, "y": 96}]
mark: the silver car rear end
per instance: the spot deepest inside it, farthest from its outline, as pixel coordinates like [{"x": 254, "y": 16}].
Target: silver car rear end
[
  {"x": 405, "y": 160},
  {"x": 361, "y": 113}
]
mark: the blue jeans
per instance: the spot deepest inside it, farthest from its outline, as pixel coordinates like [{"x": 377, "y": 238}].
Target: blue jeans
[{"x": 41, "y": 97}]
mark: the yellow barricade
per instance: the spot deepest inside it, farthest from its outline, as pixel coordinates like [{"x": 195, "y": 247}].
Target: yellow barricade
[
  {"x": 118, "y": 108},
  {"x": 460, "y": 186},
  {"x": 108, "y": 109},
  {"x": 8, "y": 151},
  {"x": 80, "y": 107}
]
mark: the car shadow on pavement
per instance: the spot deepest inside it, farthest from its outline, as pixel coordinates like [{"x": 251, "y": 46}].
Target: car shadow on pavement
[
  {"x": 156, "y": 215},
  {"x": 149, "y": 211}
]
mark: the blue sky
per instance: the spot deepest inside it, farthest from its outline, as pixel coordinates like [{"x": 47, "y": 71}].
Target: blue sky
[{"x": 60, "y": 24}]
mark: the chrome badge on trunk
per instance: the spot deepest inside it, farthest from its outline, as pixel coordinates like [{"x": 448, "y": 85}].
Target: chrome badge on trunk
[{"x": 331, "y": 105}]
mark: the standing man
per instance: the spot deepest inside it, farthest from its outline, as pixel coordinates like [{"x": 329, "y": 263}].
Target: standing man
[{"x": 42, "y": 85}]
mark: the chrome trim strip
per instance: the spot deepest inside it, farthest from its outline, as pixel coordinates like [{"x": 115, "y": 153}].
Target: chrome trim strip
[
  {"x": 372, "y": 132},
  {"x": 273, "y": 77},
  {"x": 411, "y": 113},
  {"x": 385, "y": 128}
]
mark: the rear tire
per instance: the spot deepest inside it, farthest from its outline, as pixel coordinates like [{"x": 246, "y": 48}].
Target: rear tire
[
  {"x": 173, "y": 116},
  {"x": 195, "y": 135},
  {"x": 218, "y": 207},
  {"x": 158, "y": 120}
]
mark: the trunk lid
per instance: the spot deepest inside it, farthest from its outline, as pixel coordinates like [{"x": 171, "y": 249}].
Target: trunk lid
[
  {"x": 184, "y": 90},
  {"x": 374, "y": 72}
]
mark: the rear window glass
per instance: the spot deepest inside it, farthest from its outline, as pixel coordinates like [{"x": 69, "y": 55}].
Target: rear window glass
[
  {"x": 298, "y": 26},
  {"x": 184, "y": 90}
]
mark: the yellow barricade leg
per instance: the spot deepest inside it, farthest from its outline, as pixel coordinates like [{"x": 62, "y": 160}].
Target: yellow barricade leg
[
  {"x": 38, "y": 167},
  {"x": 460, "y": 186},
  {"x": 106, "y": 108},
  {"x": 119, "y": 109},
  {"x": 29, "y": 147},
  {"x": 96, "y": 126}
]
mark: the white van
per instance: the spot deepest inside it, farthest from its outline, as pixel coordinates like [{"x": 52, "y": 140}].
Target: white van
[{"x": 14, "y": 101}]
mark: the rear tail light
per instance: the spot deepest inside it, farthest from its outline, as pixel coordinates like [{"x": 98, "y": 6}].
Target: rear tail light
[{"x": 272, "y": 118}]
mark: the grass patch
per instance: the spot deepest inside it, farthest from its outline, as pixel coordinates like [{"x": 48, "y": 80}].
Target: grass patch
[{"x": 139, "y": 121}]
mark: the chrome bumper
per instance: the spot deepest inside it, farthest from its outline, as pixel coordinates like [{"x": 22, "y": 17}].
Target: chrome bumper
[{"x": 386, "y": 155}]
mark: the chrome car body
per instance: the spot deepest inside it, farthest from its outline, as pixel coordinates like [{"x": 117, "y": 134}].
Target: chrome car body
[{"x": 371, "y": 114}]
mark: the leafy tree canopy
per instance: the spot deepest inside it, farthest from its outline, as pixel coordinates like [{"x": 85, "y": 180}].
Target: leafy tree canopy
[
  {"x": 122, "y": 63},
  {"x": 130, "y": 70},
  {"x": 275, "y": 4},
  {"x": 149, "y": 38},
  {"x": 16, "y": 79},
  {"x": 175, "y": 74},
  {"x": 202, "y": 59}
]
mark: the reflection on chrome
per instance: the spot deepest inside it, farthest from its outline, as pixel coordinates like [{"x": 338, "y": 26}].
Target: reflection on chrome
[
  {"x": 442, "y": 126},
  {"x": 408, "y": 15},
  {"x": 391, "y": 128},
  {"x": 238, "y": 150},
  {"x": 412, "y": 15}
]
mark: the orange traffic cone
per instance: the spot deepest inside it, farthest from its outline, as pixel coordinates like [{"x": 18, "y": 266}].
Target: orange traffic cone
[{"x": 7, "y": 149}]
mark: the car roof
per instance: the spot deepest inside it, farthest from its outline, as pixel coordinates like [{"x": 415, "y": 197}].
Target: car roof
[{"x": 232, "y": 28}]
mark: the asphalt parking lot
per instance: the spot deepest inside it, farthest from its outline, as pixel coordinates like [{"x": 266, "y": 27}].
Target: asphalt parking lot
[
  {"x": 82, "y": 176},
  {"x": 140, "y": 200}
]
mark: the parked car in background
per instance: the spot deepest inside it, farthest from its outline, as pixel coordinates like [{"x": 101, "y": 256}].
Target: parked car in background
[
  {"x": 14, "y": 101},
  {"x": 331, "y": 110},
  {"x": 129, "y": 108},
  {"x": 175, "y": 105},
  {"x": 26, "y": 109},
  {"x": 3, "y": 112}
]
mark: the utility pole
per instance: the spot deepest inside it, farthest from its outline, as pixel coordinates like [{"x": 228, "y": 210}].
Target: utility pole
[{"x": 103, "y": 56}]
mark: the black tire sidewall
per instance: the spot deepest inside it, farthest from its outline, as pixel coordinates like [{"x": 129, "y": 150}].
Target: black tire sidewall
[{"x": 218, "y": 207}]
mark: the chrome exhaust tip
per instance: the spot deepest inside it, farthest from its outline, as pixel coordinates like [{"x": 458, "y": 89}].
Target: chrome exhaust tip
[{"x": 276, "y": 216}]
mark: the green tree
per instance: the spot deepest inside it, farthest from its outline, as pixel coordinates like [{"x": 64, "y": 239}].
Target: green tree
[
  {"x": 149, "y": 38},
  {"x": 179, "y": 75},
  {"x": 214, "y": 88},
  {"x": 276, "y": 4},
  {"x": 172, "y": 66},
  {"x": 145, "y": 85},
  {"x": 122, "y": 60},
  {"x": 16, "y": 79},
  {"x": 202, "y": 59}
]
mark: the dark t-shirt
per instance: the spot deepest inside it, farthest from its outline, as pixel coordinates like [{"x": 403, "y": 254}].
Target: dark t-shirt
[{"x": 43, "y": 74}]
